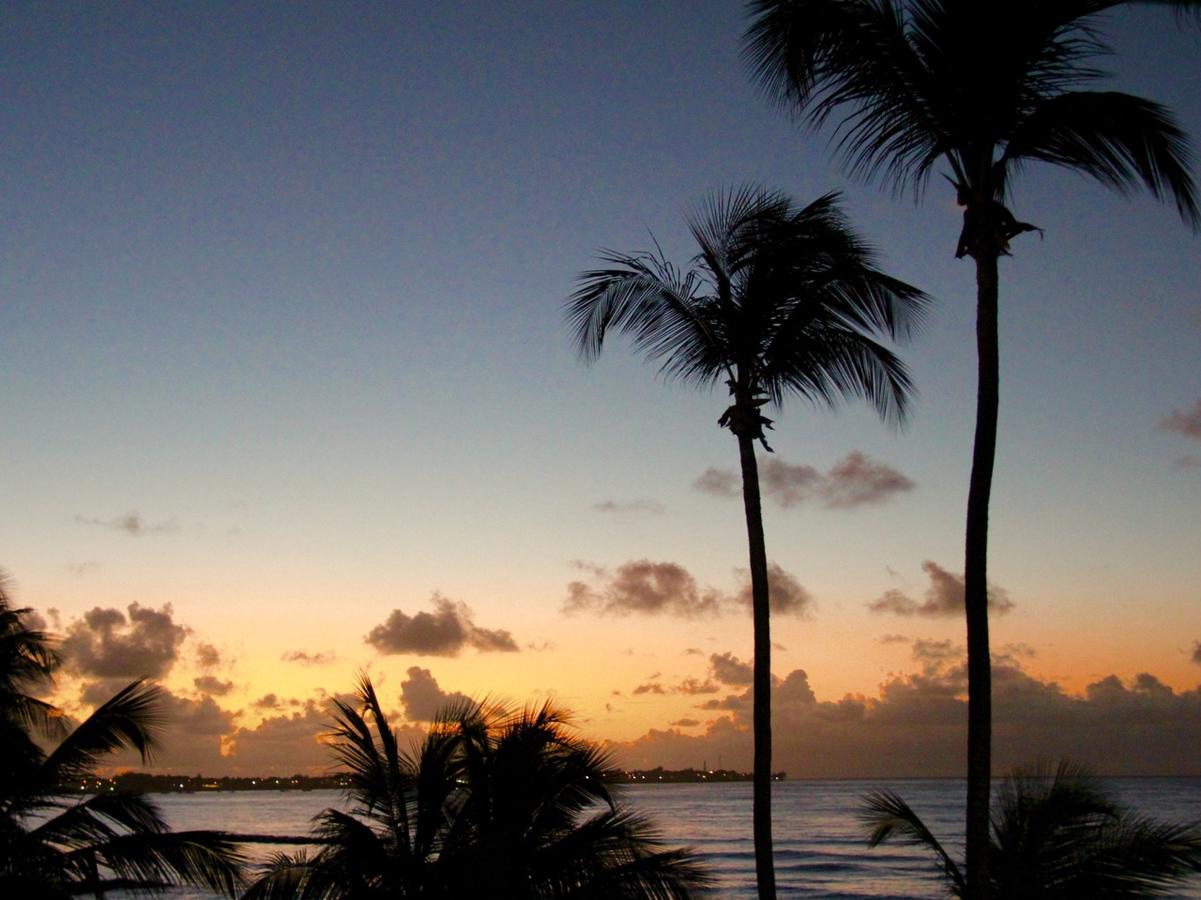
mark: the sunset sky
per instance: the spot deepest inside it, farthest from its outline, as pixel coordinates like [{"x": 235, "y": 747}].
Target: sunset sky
[{"x": 287, "y": 394}]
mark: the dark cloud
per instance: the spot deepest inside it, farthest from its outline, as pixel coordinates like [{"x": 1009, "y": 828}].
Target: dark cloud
[
  {"x": 696, "y": 686},
  {"x": 915, "y": 725},
  {"x": 729, "y": 669},
  {"x": 644, "y": 587},
  {"x": 304, "y": 658},
  {"x": 719, "y": 483},
  {"x": 209, "y": 684},
  {"x": 444, "y": 632},
  {"x": 650, "y": 687},
  {"x": 423, "y": 700},
  {"x": 685, "y": 723},
  {"x": 786, "y": 595},
  {"x": 857, "y": 481},
  {"x": 207, "y": 656},
  {"x": 642, "y": 505},
  {"x": 131, "y": 523},
  {"x": 944, "y": 596},
  {"x": 854, "y": 481},
  {"x": 1185, "y": 423},
  {"x": 267, "y": 701},
  {"x": 108, "y": 644},
  {"x": 789, "y": 485}
]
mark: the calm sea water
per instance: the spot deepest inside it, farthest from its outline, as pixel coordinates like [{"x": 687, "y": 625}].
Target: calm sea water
[{"x": 820, "y": 850}]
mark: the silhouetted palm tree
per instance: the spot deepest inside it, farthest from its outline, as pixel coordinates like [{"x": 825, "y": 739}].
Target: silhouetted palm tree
[
  {"x": 984, "y": 87},
  {"x": 1056, "y": 835},
  {"x": 780, "y": 300},
  {"x": 493, "y": 803},
  {"x": 54, "y": 846}
]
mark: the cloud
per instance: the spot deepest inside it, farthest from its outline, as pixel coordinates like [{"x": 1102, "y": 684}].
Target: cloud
[
  {"x": 914, "y": 725},
  {"x": 695, "y": 686},
  {"x": 304, "y": 658},
  {"x": 854, "y": 481},
  {"x": 686, "y": 723},
  {"x": 132, "y": 524},
  {"x": 444, "y": 632},
  {"x": 108, "y": 644},
  {"x": 857, "y": 481},
  {"x": 1197, "y": 652},
  {"x": 207, "y": 656},
  {"x": 423, "y": 700},
  {"x": 719, "y": 483},
  {"x": 786, "y": 595},
  {"x": 944, "y": 596},
  {"x": 893, "y": 639},
  {"x": 642, "y": 505},
  {"x": 729, "y": 669},
  {"x": 643, "y": 587},
  {"x": 789, "y": 485},
  {"x": 80, "y": 569},
  {"x": 209, "y": 684},
  {"x": 1184, "y": 423},
  {"x": 267, "y": 701},
  {"x": 651, "y": 687}
]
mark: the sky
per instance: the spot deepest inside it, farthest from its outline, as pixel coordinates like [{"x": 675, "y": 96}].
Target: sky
[{"x": 288, "y": 396}]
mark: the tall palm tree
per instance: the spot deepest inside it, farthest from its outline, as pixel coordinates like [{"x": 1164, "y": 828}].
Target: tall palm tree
[
  {"x": 53, "y": 846},
  {"x": 780, "y": 300},
  {"x": 1056, "y": 835},
  {"x": 983, "y": 87},
  {"x": 496, "y": 803}
]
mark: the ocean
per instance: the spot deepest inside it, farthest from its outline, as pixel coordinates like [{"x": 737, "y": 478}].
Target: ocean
[{"x": 820, "y": 851}]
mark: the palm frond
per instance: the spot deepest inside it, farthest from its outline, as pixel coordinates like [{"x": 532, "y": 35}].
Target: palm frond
[
  {"x": 130, "y": 719},
  {"x": 885, "y": 815},
  {"x": 1116, "y": 138}
]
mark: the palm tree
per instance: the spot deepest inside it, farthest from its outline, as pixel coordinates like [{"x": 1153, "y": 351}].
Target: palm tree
[
  {"x": 52, "y": 846},
  {"x": 493, "y": 802},
  {"x": 1056, "y": 836},
  {"x": 779, "y": 300},
  {"x": 983, "y": 87}
]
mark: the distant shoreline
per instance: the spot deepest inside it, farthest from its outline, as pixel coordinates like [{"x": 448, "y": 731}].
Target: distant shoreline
[{"x": 147, "y": 783}]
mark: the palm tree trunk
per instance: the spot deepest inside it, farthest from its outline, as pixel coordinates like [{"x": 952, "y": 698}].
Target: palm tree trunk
[
  {"x": 979, "y": 663},
  {"x": 765, "y": 872}
]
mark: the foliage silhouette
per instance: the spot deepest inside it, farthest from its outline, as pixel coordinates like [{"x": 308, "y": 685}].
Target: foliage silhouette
[
  {"x": 508, "y": 804},
  {"x": 779, "y": 300},
  {"x": 1056, "y": 835},
  {"x": 984, "y": 87},
  {"x": 53, "y": 846}
]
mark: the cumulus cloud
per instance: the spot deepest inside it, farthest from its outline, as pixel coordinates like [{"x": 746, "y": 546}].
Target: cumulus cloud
[
  {"x": 719, "y": 483},
  {"x": 1186, "y": 423},
  {"x": 207, "y": 656},
  {"x": 423, "y": 699},
  {"x": 789, "y": 485},
  {"x": 856, "y": 480},
  {"x": 110, "y": 644},
  {"x": 696, "y": 686},
  {"x": 643, "y": 587},
  {"x": 944, "y": 596},
  {"x": 650, "y": 687},
  {"x": 131, "y": 524},
  {"x": 444, "y": 632},
  {"x": 786, "y": 595},
  {"x": 729, "y": 669},
  {"x": 915, "y": 724},
  {"x": 304, "y": 658},
  {"x": 209, "y": 684},
  {"x": 641, "y": 505}
]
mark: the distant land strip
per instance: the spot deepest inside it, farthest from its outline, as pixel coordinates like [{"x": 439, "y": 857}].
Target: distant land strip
[{"x": 146, "y": 783}]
